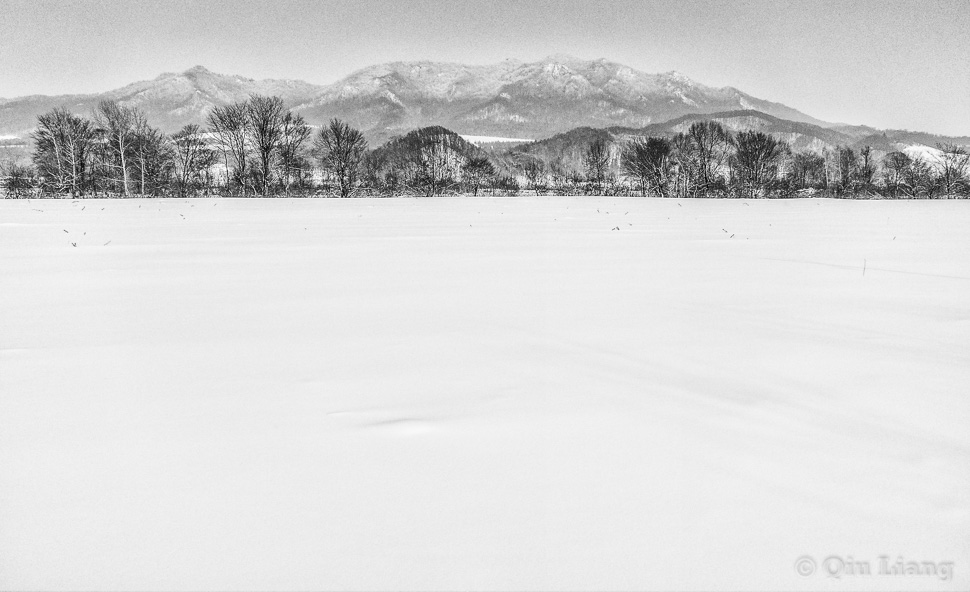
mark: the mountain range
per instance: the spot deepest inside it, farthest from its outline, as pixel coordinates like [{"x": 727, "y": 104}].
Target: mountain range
[{"x": 510, "y": 99}]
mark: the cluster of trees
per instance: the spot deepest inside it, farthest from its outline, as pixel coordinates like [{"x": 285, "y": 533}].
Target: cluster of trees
[
  {"x": 431, "y": 161},
  {"x": 705, "y": 161},
  {"x": 708, "y": 161},
  {"x": 258, "y": 147},
  {"x": 117, "y": 152},
  {"x": 255, "y": 147},
  {"x": 262, "y": 146}
]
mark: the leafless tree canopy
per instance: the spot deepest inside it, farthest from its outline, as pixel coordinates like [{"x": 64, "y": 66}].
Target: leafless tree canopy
[
  {"x": 62, "y": 155},
  {"x": 229, "y": 127},
  {"x": 117, "y": 125},
  {"x": 193, "y": 160},
  {"x": 264, "y": 123},
  {"x": 478, "y": 172},
  {"x": 293, "y": 164},
  {"x": 954, "y": 169},
  {"x": 755, "y": 163},
  {"x": 341, "y": 149},
  {"x": 650, "y": 163},
  {"x": 597, "y": 162}
]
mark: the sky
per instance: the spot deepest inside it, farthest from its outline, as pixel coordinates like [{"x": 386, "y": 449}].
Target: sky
[{"x": 886, "y": 63}]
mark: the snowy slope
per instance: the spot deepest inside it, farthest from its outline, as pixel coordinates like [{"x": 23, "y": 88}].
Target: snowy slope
[
  {"x": 482, "y": 393},
  {"x": 521, "y": 99}
]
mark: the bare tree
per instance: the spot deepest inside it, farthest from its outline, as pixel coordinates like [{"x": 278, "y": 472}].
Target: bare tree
[
  {"x": 228, "y": 125},
  {"x": 193, "y": 160},
  {"x": 63, "y": 143},
  {"x": 808, "y": 171},
  {"x": 895, "y": 165},
  {"x": 953, "y": 168},
  {"x": 341, "y": 149},
  {"x": 151, "y": 158},
  {"x": 560, "y": 175},
  {"x": 265, "y": 116},
  {"x": 755, "y": 162},
  {"x": 535, "y": 173},
  {"x": 685, "y": 168},
  {"x": 919, "y": 178},
  {"x": 291, "y": 159},
  {"x": 706, "y": 146},
  {"x": 117, "y": 126},
  {"x": 865, "y": 176},
  {"x": 846, "y": 165},
  {"x": 379, "y": 171},
  {"x": 435, "y": 170},
  {"x": 649, "y": 162},
  {"x": 478, "y": 172},
  {"x": 596, "y": 161}
]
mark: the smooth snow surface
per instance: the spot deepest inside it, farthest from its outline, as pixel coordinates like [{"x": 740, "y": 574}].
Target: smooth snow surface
[
  {"x": 495, "y": 140},
  {"x": 929, "y": 153},
  {"x": 529, "y": 393}
]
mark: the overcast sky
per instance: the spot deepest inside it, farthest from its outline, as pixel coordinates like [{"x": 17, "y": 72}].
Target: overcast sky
[{"x": 887, "y": 63}]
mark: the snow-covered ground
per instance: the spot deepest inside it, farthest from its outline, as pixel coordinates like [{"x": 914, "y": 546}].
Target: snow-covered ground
[
  {"x": 495, "y": 140},
  {"x": 527, "y": 393},
  {"x": 928, "y": 153}
]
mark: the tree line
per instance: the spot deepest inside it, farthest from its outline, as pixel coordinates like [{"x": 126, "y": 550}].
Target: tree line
[
  {"x": 709, "y": 161},
  {"x": 257, "y": 147}
]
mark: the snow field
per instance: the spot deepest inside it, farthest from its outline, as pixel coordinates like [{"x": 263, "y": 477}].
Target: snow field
[{"x": 527, "y": 393}]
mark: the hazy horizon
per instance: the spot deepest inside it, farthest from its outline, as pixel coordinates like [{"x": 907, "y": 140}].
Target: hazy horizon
[{"x": 891, "y": 65}]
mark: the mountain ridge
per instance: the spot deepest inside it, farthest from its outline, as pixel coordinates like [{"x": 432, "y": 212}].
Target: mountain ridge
[{"x": 512, "y": 98}]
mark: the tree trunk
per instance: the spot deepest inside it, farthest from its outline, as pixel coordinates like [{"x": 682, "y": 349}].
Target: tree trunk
[{"x": 124, "y": 167}]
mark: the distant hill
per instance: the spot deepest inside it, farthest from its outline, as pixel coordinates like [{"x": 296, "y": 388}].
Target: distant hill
[
  {"x": 570, "y": 146},
  {"x": 406, "y": 146},
  {"x": 564, "y": 151},
  {"x": 421, "y": 158},
  {"x": 799, "y": 135}
]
